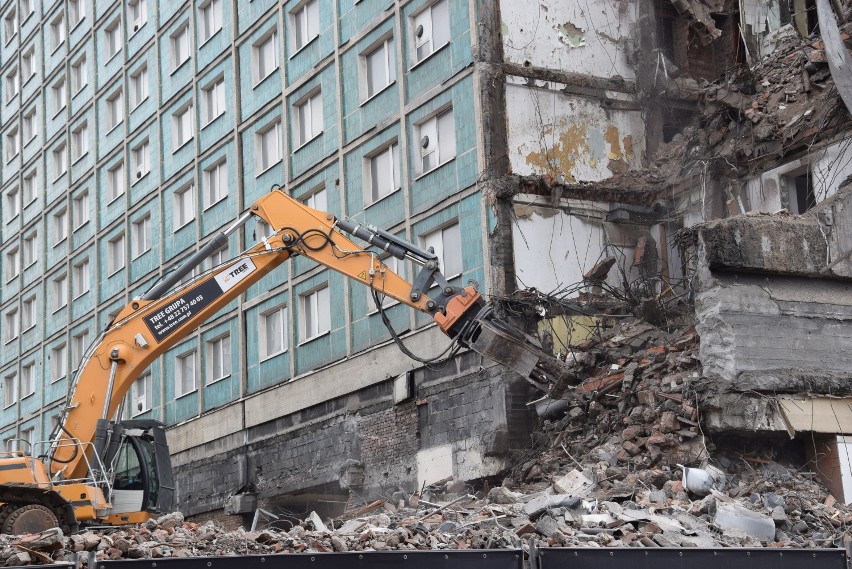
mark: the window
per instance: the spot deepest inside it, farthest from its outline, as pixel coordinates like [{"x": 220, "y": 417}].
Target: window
[
  {"x": 115, "y": 181},
  {"x": 57, "y": 31},
  {"x": 29, "y": 251},
  {"x": 115, "y": 257},
  {"x": 79, "y": 75},
  {"x": 309, "y": 118},
  {"x": 28, "y": 64},
  {"x": 316, "y": 200},
  {"x": 431, "y": 30},
  {"x": 114, "y": 110},
  {"x": 305, "y": 22},
  {"x": 316, "y": 313},
  {"x": 265, "y": 57},
  {"x": 27, "y": 8},
  {"x": 29, "y": 185},
  {"x": 28, "y": 125},
  {"x": 10, "y": 24},
  {"x": 13, "y": 263},
  {"x": 112, "y": 38},
  {"x": 219, "y": 358},
  {"x": 184, "y": 206},
  {"x": 273, "y": 332},
  {"x": 80, "y": 281},
  {"x": 80, "y": 142},
  {"x": 140, "y": 159},
  {"x": 393, "y": 264},
  {"x": 216, "y": 258},
  {"x": 181, "y": 127},
  {"x": 10, "y": 394},
  {"x": 141, "y": 239},
  {"x": 80, "y": 209},
  {"x": 60, "y": 292},
  {"x": 215, "y": 183},
  {"x": 180, "y": 46},
  {"x": 13, "y": 203},
  {"x": 437, "y": 141},
  {"x": 446, "y": 243},
  {"x": 185, "y": 381},
  {"x": 60, "y": 160},
  {"x": 213, "y": 100},
  {"x": 380, "y": 66},
  {"x": 140, "y": 396},
  {"x": 76, "y": 11},
  {"x": 137, "y": 13},
  {"x": 13, "y": 324},
  {"x": 58, "y": 362},
  {"x": 382, "y": 172},
  {"x": 12, "y": 84},
  {"x": 13, "y": 144},
  {"x": 28, "y": 436},
  {"x": 139, "y": 86},
  {"x": 27, "y": 387},
  {"x": 210, "y": 18},
  {"x": 268, "y": 148},
  {"x": 79, "y": 345},
  {"x": 28, "y": 313},
  {"x": 58, "y": 95}
]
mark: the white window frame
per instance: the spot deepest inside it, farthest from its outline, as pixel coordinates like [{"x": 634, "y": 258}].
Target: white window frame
[
  {"x": 29, "y": 126},
  {"x": 13, "y": 263},
  {"x": 182, "y": 127},
  {"x": 29, "y": 193},
  {"x": 263, "y": 50},
  {"x": 57, "y": 31},
  {"x": 10, "y": 383},
  {"x": 12, "y": 83},
  {"x": 139, "y": 85},
  {"x": 375, "y": 189},
  {"x": 213, "y": 100},
  {"x": 79, "y": 75},
  {"x": 13, "y": 203},
  {"x": 317, "y": 199},
  {"x": 79, "y": 345},
  {"x": 219, "y": 364},
  {"x": 28, "y": 64},
  {"x": 315, "y": 306},
  {"x": 184, "y": 206},
  {"x": 268, "y": 147},
  {"x": 180, "y": 46},
  {"x": 29, "y": 313},
  {"x": 60, "y": 160},
  {"x": 397, "y": 266},
  {"x": 59, "y": 96},
  {"x": 13, "y": 325},
  {"x": 180, "y": 380},
  {"x": 141, "y": 160},
  {"x": 438, "y": 239},
  {"x": 140, "y": 242},
  {"x": 29, "y": 249},
  {"x": 112, "y": 38},
  {"x": 27, "y": 388},
  {"x": 10, "y": 24},
  {"x": 80, "y": 206},
  {"x": 137, "y": 14},
  {"x": 140, "y": 397},
  {"x": 305, "y": 113},
  {"x": 79, "y": 142},
  {"x": 116, "y": 182},
  {"x": 435, "y": 135},
  {"x": 76, "y": 12},
  {"x": 116, "y": 253},
  {"x": 81, "y": 281},
  {"x": 58, "y": 362},
  {"x": 209, "y": 19},
  {"x": 270, "y": 349},
  {"x": 13, "y": 144},
  {"x": 59, "y": 287},
  {"x": 386, "y": 53},
  {"x": 428, "y": 39},
  {"x": 304, "y": 22},
  {"x": 215, "y": 183},
  {"x": 115, "y": 109},
  {"x": 60, "y": 225}
]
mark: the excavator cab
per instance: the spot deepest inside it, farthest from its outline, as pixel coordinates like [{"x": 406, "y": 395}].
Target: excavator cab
[{"x": 141, "y": 471}]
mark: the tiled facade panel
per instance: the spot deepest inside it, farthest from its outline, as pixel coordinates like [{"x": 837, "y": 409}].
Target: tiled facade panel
[{"x": 97, "y": 203}]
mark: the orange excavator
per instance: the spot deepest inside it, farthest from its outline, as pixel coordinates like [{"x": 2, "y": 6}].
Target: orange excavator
[{"x": 98, "y": 469}]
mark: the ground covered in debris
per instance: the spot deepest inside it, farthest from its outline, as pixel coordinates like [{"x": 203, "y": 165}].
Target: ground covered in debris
[{"x": 606, "y": 469}]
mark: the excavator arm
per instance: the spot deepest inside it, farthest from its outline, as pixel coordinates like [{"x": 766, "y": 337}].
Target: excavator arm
[{"x": 148, "y": 326}]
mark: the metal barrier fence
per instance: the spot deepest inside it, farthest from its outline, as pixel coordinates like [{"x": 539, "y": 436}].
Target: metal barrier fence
[{"x": 555, "y": 558}]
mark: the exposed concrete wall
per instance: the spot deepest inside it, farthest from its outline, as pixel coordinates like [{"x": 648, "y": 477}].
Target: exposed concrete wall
[
  {"x": 570, "y": 35},
  {"x": 460, "y": 421}
]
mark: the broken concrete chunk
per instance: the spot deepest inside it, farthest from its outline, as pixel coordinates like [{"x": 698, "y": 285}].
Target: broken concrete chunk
[
  {"x": 731, "y": 516},
  {"x": 542, "y": 502},
  {"x": 502, "y": 495},
  {"x": 575, "y": 482},
  {"x": 317, "y": 522}
]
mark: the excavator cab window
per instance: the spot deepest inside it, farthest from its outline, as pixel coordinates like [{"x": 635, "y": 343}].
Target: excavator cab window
[{"x": 135, "y": 475}]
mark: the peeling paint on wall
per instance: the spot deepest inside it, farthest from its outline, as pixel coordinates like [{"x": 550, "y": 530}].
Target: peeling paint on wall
[
  {"x": 561, "y": 157},
  {"x": 571, "y": 35},
  {"x": 611, "y": 137}
]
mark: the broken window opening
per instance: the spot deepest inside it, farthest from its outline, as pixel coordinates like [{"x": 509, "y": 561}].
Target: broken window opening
[{"x": 797, "y": 194}]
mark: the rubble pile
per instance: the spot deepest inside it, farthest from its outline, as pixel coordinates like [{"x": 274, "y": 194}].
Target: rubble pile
[{"x": 621, "y": 462}]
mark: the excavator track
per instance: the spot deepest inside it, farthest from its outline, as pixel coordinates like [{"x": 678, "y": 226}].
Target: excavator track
[{"x": 19, "y": 497}]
